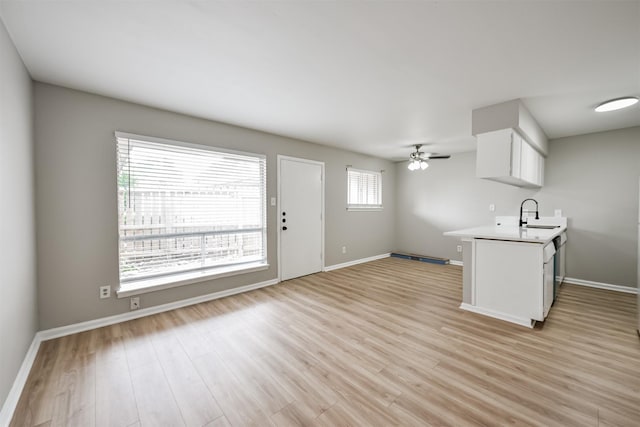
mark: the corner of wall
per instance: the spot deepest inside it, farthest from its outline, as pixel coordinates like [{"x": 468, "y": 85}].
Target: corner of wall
[{"x": 18, "y": 300}]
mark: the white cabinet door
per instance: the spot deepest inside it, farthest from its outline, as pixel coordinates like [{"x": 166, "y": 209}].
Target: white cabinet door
[
  {"x": 529, "y": 165},
  {"x": 505, "y": 156},
  {"x": 493, "y": 158},
  {"x": 516, "y": 155}
]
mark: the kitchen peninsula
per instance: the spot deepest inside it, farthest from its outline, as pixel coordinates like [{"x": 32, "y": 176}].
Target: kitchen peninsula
[{"x": 510, "y": 271}]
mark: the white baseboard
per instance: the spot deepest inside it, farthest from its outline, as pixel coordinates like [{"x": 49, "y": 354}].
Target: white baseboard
[
  {"x": 497, "y": 315},
  {"x": 9, "y": 406},
  {"x": 356, "y": 261},
  {"x": 456, "y": 262},
  {"x": 600, "y": 285},
  {"x": 118, "y": 318},
  {"x": 10, "y": 403}
]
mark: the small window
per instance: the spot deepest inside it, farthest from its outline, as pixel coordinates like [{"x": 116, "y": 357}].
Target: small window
[
  {"x": 364, "y": 190},
  {"x": 187, "y": 212}
]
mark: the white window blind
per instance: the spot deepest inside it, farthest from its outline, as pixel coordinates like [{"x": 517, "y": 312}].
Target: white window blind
[
  {"x": 364, "y": 189},
  {"x": 187, "y": 208}
]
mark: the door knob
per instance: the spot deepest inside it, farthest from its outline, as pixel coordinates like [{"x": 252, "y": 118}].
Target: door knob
[
  {"x": 284, "y": 213},
  {"x": 284, "y": 228}
]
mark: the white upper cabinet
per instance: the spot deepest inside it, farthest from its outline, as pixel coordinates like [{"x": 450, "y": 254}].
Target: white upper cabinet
[
  {"x": 504, "y": 156},
  {"x": 511, "y": 145}
]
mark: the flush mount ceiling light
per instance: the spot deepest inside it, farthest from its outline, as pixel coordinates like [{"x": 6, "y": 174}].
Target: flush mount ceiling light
[{"x": 616, "y": 104}]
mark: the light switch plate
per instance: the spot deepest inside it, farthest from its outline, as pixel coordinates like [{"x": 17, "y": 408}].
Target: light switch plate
[{"x": 273, "y": 201}]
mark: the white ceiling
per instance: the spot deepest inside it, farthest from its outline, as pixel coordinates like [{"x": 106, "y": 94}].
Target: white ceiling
[{"x": 372, "y": 77}]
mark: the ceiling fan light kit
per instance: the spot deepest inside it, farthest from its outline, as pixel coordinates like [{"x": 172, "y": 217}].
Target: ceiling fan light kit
[
  {"x": 416, "y": 164},
  {"x": 418, "y": 159}
]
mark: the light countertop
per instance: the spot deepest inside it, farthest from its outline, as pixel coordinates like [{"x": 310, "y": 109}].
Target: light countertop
[{"x": 509, "y": 232}]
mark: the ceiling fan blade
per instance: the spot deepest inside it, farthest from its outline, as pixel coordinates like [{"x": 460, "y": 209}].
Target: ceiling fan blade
[{"x": 439, "y": 157}]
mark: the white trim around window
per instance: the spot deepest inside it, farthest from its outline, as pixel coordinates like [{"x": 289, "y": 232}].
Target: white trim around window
[
  {"x": 187, "y": 213},
  {"x": 364, "y": 190}
]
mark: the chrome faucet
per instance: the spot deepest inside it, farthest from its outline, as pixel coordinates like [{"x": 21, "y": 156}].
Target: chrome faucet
[{"x": 521, "y": 222}]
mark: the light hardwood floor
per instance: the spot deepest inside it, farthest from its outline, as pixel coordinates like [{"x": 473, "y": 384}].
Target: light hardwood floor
[{"x": 377, "y": 344}]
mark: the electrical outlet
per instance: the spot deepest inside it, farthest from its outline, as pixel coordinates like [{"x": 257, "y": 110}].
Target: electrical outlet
[
  {"x": 459, "y": 248},
  {"x": 344, "y": 249},
  {"x": 134, "y": 303},
  {"x": 492, "y": 207},
  {"x": 105, "y": 292}
]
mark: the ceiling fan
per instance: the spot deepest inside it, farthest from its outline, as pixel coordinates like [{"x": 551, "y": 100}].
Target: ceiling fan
[{"x": 418, "y": 159}]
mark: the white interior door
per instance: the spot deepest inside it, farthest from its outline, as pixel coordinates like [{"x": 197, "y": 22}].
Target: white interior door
[{"x": 300, "y": 223}]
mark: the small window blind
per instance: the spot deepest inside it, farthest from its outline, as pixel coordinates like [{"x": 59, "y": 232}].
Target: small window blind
[
  {"x": 185, "y": 208},
  {"x": 364, "y": 189}
]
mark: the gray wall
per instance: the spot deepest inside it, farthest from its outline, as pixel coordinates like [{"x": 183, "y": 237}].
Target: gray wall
[
  {"x": 77, "y": 211},
  {"x": 593, "y": 178},
  {"x": 18, "y": 321}
]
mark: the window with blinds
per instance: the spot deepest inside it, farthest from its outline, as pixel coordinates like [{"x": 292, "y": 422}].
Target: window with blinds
[
  {"x": 364, "y": 190},
  {"x": 187, "y": 208}
]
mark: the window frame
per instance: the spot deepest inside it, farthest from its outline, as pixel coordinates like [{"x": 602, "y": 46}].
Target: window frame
[
  {"x": 352, "y": 207},
  {"x": 169, "y": 280}
]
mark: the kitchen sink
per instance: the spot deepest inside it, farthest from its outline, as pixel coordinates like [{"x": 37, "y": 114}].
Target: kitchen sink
[{"x": 544, "y": 227}]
